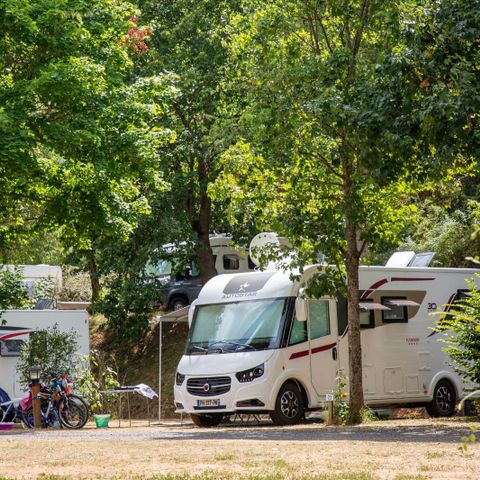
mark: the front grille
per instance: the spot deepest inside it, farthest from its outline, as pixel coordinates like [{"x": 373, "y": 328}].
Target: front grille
[{"x": 208, "y": 386}]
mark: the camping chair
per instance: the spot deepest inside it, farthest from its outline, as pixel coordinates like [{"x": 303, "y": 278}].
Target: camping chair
[{"x": 9, "y": 409}]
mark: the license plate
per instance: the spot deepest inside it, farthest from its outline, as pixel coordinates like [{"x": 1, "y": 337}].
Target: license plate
[{"x": 208, "y": 403}]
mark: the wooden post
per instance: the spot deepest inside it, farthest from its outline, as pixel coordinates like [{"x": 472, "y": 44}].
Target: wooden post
[
  {"x": 36, "y": 403},
  {"x": 330, "y": 419}
]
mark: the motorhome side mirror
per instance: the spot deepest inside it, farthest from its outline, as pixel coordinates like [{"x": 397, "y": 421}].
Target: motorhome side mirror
[{"x": 301, "y": 309}]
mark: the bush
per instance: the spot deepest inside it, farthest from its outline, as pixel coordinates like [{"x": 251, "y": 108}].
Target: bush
[
  {"x": 14, "y": 293},
  {"x": 55, "y": 352}
]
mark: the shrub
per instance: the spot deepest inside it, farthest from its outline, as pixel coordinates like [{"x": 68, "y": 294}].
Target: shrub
[
  {"x": 462, "y": 328},
  {"x": 55, "y": 352}
]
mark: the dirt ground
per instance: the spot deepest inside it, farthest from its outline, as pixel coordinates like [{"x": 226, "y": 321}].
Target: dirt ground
[{"x": 398, "y": 450}]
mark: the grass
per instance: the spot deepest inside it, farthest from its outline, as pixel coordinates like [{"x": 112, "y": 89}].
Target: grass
[{"x": 144, "y": 454}]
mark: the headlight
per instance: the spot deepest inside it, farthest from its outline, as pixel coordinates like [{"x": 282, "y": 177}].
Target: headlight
[
  {"x": 251, "y": 374},
  {"x": 179, "y": 378}
]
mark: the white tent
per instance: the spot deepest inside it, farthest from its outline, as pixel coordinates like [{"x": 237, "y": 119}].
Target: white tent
[{"x": 175, "y": 316}]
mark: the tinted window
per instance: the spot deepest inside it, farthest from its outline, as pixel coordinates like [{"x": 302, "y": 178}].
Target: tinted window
[{"x": 396, "y": 313}]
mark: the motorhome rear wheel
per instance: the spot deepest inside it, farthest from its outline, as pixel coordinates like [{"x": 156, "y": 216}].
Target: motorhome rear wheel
[
  {"x": 289, "y": 408},
  {"x": 444, "y": 400},
  {"x": 207, "y": 420}
]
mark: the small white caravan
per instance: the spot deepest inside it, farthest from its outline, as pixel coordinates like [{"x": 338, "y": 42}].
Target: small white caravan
[
  {"x": 33, "y": 273},
  {"x": 256, "y": 346},
  {"x": 15, "y": 328}
]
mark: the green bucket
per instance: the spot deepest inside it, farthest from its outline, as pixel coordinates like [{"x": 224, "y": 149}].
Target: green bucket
[{"x": 101, "y": 421}]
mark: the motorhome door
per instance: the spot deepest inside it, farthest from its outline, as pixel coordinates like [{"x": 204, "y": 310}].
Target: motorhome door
[{"x": 322, "y": 321}]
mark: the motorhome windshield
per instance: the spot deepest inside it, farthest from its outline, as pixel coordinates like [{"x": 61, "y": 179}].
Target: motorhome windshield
[{"x": 236, "y": 327}]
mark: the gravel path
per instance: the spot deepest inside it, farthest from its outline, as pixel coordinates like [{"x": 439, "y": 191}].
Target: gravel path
[{"x": 384, "y": 431}]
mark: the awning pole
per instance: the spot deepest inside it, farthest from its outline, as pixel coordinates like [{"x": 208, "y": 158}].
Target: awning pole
[{"x": 160, "y": 369}]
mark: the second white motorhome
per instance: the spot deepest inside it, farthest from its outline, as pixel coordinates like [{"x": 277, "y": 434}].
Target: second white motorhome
[
  {"x": 15, "y": 328},
  {"x": 256, "y": 346}
]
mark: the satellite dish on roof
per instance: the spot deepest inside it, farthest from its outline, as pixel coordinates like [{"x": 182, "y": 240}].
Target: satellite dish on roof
[{"x": 262, "y": 241}]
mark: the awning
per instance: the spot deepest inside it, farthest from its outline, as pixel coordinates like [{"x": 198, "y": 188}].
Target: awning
[
  {"x": 402, "y": 303},
  {"x": 372, "y": 306},
  {"x": 180, "y": 315}
]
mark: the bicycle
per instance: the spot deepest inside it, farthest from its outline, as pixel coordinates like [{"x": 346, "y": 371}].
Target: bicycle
[{"x": 58, "y": 406}]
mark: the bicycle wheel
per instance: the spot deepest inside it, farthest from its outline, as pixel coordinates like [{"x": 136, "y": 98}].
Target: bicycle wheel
[
  {"x": 27, "y": 417},
  {"x": 50, "y": 421},
  {"x": 73, "y": 412}
]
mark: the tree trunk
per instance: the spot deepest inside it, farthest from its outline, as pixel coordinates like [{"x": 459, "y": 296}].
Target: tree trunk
[
  {"x": 205, "y": 259},
  {"x": 352, "y": 263},
  {"x": 94, "y": 277}
]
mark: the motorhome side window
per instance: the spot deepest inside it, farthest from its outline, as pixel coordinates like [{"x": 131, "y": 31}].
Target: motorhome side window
[
  {"x": 367, "y": 317},
  {"x": 319, "y": 317},
  {"x": 11, "y": 348},
  {"x": 298, "y": 333},
  {"x": 396, "y": 313},
  {"x": 231, "y": 262}
]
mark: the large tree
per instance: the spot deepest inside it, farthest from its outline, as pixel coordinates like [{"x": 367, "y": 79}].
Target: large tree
[
  {"x": 331, "y": 104},
  {"x": 189, "y": 41},
  {"x": 79, "y": 134}
]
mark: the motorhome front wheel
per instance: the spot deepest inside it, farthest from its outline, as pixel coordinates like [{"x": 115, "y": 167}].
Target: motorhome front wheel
[{"x": 289, "y": 406}]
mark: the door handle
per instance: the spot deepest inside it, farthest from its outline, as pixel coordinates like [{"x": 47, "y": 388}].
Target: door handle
[{"x": 334, "y": 353}]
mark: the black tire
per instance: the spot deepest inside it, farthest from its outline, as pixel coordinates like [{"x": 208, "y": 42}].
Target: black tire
[
  {"x": 289, "y": 406},
  {"x": 73, "y": 412},
  {"x": 208, "y": 420},
  {"x": 176, "y": 303},
  {"x": 444, "y": 400}
]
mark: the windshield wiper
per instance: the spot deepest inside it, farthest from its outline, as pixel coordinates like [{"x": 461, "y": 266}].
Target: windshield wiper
[
  {"x": 197, "y": 347},
  {"x": 226, "y": 342}
]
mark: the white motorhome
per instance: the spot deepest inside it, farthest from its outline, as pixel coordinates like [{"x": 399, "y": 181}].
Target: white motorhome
[
  {"x": 15, "y": 328},
  {"x": 255, "y": 345}
]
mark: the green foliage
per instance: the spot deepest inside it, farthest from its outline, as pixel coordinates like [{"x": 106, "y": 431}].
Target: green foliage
[
  {"x": 437, "y": 228},
  {"x": 341, "y": 408},
  {"x": 13, "y": 293},
  {"x": 341, "y": 411},
  {"x": 471, "y": 439},
  {"x": 130, "y": 304},
  {"x": 51, "y": 349},
  {"x": 91, "y": 377},
  {"x": 79, "y": 130},
  {"x": 462, "y": 334}
]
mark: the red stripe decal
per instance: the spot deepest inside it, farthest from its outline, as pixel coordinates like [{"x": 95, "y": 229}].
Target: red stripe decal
[
  {"x": 445, "y": 310},
  {"x": 325, "y": 347},
  {"x": 305, "y": 353},
  {"x": 373, "y": 287},
  {"x": 11, "y": 335},
  {"x": 402, "y": 279}
]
